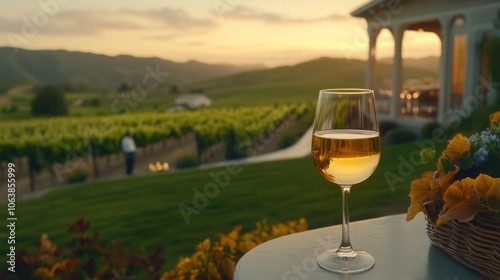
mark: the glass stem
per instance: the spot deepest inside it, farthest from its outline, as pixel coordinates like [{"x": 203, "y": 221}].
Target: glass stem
[{"x": 345, "y": 246}]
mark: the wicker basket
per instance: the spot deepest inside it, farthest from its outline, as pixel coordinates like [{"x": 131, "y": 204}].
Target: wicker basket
[{"x": 476, "y": 244}]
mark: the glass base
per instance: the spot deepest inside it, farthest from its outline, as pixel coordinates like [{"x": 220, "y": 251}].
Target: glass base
[{"x": 356, "y": 262}]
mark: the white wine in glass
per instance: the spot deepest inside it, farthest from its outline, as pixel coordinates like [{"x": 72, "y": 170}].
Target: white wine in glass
[{"x": 346, "y": 150}]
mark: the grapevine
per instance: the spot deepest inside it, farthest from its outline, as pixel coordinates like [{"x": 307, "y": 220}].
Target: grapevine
[{"x": 52, "y": 140}]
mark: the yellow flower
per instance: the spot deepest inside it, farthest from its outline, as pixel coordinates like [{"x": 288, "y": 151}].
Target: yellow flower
[
  {"x": 465, "y": 198},
  {"x": 483, "y": 184},
  {"x": 451, "y": 156},
  {"x": 456, "y": 147},
  {"x": 460, "y": 191},
  {"x": 495, "y": 119},
  {"x": 444, "y": 195},
  {"x": 419, "y": 193},
  {"x": 460, "y": 202},
  {"x": 495, "y": 116},
  {"x": 493, "y": 195}
]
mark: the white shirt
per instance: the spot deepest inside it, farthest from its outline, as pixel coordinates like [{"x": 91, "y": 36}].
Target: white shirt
[{"x": 128, "y": 144}]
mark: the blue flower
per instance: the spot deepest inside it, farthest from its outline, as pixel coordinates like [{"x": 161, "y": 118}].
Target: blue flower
[
  {"x": 487, "y": 138},
  {"x": 473, "y": 139},
  {"x": 480, "y": 156}
]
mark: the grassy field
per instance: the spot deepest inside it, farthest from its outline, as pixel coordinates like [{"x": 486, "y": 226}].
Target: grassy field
[{"x": 143, "y": 211}]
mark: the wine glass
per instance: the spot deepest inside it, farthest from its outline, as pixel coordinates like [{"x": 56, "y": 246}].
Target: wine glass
[{"x": 346, "y": 150}]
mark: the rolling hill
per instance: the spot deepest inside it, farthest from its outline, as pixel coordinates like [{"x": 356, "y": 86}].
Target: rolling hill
[
  {"x": 222, "y": 83},
  {"x": 299, "y": 82},
  {"x": 100, "y": 71},
  {"x": 430, "y": 63}
]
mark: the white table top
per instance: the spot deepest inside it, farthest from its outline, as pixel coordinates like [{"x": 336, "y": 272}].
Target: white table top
[{"x": 401, "y": 250}]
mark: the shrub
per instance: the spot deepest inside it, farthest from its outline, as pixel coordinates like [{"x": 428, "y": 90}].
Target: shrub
[
  {"x": 85, "y": 256},
  {"x": 95, "y": 102},
  {"x": 400, "y": 135},
  {"x": 49, "y": 101},
  {"x": 386, "y": 126},
  {"x": 217, "y": 260},
  {"x": 78, "y": 174},
  {"x": 427, "y": 129},
  {"x": 186, "y": 161}
]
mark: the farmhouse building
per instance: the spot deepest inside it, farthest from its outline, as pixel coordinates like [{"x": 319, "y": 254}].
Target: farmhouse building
[
  {"x": 464, "y": 29},
  {"x": 191, "y": 101}
]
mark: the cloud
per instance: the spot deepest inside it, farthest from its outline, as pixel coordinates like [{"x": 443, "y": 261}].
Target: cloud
[
  {"x": 165, "y": 22},
  {"x": 69, "y": 22},
  {"x": 98, "y": 21},
  {"x": 9, "y": 24},
  {"x": 175, "y": 18},
  {"x": 90, "y": 22},
  {"x": 160, "y": 37},
  {"x": 195, "y": 44},
  {"x": 247, "y": 13}
]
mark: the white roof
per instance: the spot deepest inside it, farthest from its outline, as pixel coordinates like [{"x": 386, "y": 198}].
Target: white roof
[{"x": 193, "y": 100}]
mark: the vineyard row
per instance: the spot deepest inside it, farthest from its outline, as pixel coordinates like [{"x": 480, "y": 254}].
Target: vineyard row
[{"x": 47, "y": 141}]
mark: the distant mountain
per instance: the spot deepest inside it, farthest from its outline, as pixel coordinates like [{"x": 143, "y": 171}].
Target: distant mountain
[
  {"x": 430, "y": 63},
  {"x": 300, "y": 82},
  {"x": 101, "y": 71},
  {"x": 323, "y": 70}
]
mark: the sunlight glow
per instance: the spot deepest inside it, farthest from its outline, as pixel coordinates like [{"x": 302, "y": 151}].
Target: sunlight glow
[{"x": 247, "y": 33}]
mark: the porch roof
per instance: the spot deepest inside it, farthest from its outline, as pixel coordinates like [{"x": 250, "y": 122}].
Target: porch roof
[{"x": 363, "y": 10}]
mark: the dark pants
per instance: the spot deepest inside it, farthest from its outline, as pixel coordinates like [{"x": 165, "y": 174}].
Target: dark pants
[{"x": 129, "y": 162}]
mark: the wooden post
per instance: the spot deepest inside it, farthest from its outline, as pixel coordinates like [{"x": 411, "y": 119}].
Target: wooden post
[
  {"x": 94, "y": 165},
  {"x": 31, "y": 167},
  {"x": 93, "y": 144}
]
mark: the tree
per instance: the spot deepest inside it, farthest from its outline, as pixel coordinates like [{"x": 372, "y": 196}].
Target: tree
[
  {"x": 49, "y": 101},
  {"x": 174, "y": 89},
  {"x": 123, "y": 88}
]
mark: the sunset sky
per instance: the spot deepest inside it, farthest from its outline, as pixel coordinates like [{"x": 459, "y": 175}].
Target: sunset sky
[{"x": 269, "y": 32}]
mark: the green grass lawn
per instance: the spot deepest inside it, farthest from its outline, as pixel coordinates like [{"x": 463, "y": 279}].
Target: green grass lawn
[{"x": 143, "y": 210}]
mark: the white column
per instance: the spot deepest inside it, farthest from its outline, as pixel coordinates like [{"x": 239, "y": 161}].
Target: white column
[
  {"x": 471, "y": 63},
  {"x": 397, "y": 32},
  {"x": 445, "y": 69},
  {"x": 372, "y": 59}
]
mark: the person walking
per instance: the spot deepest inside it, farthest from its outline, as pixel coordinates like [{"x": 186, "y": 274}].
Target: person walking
[{"x": 129, "y": 148}]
